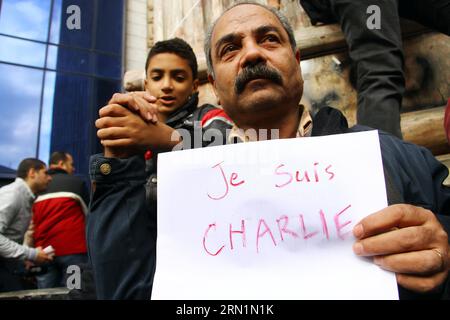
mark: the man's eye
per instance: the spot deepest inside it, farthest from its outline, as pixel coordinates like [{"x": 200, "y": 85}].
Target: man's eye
[
  {"x": 156, "y": 78},
  {"x": 271, "y": 38},
  {"x": 228, "y": 48},
  {"x": 180, "y": 78}
]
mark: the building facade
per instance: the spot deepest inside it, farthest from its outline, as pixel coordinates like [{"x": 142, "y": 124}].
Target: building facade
[{"x": 60, "y": 61}]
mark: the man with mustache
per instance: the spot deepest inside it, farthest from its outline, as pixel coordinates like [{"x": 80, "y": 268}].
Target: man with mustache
[
  {"x": 253, "y": 64},
  {"x": 258, "y": 71},
  {"x": 250, "y": 34}
]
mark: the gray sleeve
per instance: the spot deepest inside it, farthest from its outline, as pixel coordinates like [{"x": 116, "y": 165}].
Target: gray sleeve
[
  {"x": 9, "y": 248},
  {"x": 13, "y": 250},
  {"x": 8, "y": 210}
]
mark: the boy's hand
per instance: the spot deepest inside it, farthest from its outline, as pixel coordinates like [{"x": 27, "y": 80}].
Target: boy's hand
[
  {"x": 124, "y": 133},
  {"x": 140, "y": 102}
]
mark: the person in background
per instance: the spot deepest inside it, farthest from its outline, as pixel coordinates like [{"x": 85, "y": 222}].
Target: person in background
[
  {"x": 377, "y": 53},
  {"x": 16, "y": 200},
  {"x": 59, "y": 220}
]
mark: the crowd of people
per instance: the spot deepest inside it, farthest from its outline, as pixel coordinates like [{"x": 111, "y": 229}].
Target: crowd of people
[
  {"x": 254, "y": 67},
  {"x": 42, "y": 224}
]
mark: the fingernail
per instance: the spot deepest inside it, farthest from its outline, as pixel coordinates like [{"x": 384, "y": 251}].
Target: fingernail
[
  {"x": 155, "y": 118},
  {"x": 149, "y": 116},
  {"x": 358, "y": 231},
  {"x": 358, "y": 248}
]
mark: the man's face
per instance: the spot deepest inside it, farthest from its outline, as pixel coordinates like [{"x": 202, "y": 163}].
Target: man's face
[
  {"x": 170, "y": 80},
  {"x": 68, "y": 165},
  {"x": 256, "y": 71},
  {"x": 39, "y": 179}
]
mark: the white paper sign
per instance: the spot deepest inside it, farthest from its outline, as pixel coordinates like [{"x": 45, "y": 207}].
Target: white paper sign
[{"x": 269, "y": 220}]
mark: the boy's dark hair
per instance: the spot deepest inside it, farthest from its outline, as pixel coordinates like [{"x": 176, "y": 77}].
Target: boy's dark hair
[
  {"x": 58, "y": 156},
  {"x": 176, "y": 46},
  {"x": 26, "y": 164}
]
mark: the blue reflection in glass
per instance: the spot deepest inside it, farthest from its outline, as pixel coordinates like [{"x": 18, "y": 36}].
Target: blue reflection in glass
[
  {"x": 25, "y": 18},
  {"x": 74, "y": 60},
  {"x": 52, "y": 57},
  {"x": 71, "y": 100},
  {"x": 83, "y": 37},
  {"x": 72, "y": 120},
  {"x": 108, "y": 66},
  {"x": 20, "y": 89},
  {"x": 109, "y": 35},
  {"x": 22, "y": 52},
  {"x": 47, "y": 116},
  {"x": 56, "y": 21}
]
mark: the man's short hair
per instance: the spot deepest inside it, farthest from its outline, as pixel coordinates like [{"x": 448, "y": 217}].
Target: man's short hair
[
  {"x": 283, "y": 20},
  {"x": 176, "y": 46},
  {"x": 58, "y": 156},
  {"x": 26, "y": 164}
]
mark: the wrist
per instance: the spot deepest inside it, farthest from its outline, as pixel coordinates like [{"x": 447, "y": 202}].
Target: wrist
[
  {"x": 31, "y": 254},
  {"x": 170, "y": 138}
]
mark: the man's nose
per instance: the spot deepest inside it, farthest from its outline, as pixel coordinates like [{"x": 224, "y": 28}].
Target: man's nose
[{"x": 253, "y": 55}]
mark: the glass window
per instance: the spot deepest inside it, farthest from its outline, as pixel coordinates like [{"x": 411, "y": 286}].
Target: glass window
[
  {"x": 83, "y": 69},
  {"x": 22, "y": 52},
  {"x": 109, "y": 35},
  {"x": 108, "y": 65},
  {"x": 47, "y": 116},
  {"x": 19, "y": 113},
  {"x": 56, "y": 21},
  {"x": 83, "y": 37},
  {"x": 74, "y": 60},
  {"x": 25, "y": 18},
  {"x": 52, "y": 57},
  {"x": 72, "y": 119}
]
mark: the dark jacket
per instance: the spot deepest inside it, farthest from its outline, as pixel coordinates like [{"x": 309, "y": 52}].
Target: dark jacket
[
  {"x": 318, "y": 11},
  {"x": 122, "y": 229},
  {"x": 63, "y": 182}
]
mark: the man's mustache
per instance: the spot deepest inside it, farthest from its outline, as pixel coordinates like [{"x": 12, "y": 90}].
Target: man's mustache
[{"x": 258, "y": 71}]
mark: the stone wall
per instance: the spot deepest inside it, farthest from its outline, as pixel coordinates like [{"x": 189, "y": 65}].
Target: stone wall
[{"x": 136, "y": 34}]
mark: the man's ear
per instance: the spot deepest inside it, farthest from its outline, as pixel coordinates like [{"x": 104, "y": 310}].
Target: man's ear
[
  {"x": 145, "y": 84},
  {"x": 31, "y": 173},
  {"x": 298, "y": 56},
  {"x": 213, "y": 83}
]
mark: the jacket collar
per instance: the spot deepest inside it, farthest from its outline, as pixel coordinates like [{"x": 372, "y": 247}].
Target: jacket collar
[
  {"x": 184, "y": 111},
  {"x": 53, "y": 171},
  {"x": 304, "y": 128}
]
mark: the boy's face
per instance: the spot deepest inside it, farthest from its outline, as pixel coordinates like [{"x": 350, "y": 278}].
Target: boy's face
[{"x": 169, "y": 79}]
